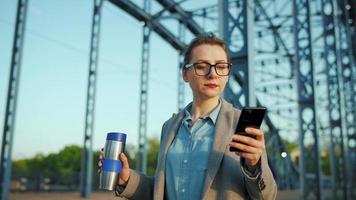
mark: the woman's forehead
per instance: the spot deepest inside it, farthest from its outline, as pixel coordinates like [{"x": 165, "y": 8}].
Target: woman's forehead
[{"x": 208, "y": 52}]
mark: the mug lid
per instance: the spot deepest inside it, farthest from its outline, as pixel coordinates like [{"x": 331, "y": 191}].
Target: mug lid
[{"x": 116, "y": 136}]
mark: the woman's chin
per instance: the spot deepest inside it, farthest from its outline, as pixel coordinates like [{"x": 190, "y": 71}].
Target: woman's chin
[{"x": 210, "y": 95}]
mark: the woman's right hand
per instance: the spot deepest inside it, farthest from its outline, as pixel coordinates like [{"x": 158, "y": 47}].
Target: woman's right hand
[{"x": 125, "y": 172}]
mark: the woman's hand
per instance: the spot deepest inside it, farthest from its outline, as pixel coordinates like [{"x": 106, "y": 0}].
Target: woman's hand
[
  {"x": 251, "y": 148},
  {"x": 125, "y": 173}
]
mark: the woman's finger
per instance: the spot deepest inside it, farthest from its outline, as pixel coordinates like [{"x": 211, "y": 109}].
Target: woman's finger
[
  {"x": 246, "y": 140},
  {"x": 257, "y": 133},
  {"x": 244, "y": 147}
]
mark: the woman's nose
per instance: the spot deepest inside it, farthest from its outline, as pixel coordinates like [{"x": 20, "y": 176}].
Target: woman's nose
[{"x": 212, "y": 73}]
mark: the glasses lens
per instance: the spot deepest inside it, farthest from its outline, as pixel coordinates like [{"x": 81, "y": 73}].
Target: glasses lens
[
  {"x": 222, "y": 69},
  {"x": 201, "y": 69}
]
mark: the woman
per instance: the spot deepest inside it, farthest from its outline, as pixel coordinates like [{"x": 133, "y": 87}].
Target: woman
[{"x": 194, "y": 161}]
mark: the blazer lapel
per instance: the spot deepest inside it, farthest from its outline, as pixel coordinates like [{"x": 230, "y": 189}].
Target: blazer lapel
[
  {"x": 223, "y": 133},
  {"x": 167, "y": 139}
]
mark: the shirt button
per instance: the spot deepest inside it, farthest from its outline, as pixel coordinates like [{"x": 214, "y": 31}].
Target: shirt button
[
  {"x": 185, "y": 161},
  {"x": 183, "y": 190}
]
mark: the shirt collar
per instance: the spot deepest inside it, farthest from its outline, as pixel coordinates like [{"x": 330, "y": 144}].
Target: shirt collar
[{"x": 213, "y": 114}]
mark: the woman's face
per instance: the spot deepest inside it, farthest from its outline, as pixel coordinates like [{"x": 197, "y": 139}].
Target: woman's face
[{"x": 211, "y": 85}]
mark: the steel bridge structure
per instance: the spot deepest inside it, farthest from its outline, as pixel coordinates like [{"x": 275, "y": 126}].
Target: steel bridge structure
[{"x": 296, "y": 57}]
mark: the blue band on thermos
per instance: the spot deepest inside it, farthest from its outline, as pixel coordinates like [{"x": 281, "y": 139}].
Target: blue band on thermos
[
  {"x": 112, "y": 165},
  {"x": 116, "y": 136}
]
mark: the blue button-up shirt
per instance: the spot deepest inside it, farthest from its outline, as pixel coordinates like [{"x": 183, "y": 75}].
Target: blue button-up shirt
[{"x": 188, "y": 155}]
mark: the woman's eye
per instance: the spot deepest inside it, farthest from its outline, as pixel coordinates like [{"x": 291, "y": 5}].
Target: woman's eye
[
  {"x": 222, "y": 66},
  {"x": 200, "y": 66}
]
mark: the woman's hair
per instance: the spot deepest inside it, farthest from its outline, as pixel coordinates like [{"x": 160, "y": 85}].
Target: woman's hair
[{"x": 206, "y": 38}]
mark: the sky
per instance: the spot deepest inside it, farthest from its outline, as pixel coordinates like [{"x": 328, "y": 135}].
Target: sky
[
  {"x": 54, "y": 71},
  {"x": 53, "y": 81}
]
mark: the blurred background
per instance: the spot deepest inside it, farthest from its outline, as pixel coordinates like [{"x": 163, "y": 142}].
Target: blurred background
[{"x": 72, "y": 71}]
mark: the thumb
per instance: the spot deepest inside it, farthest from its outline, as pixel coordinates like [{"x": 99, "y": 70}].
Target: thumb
[
  {"x": 124, "y": 160},
  {"x": 125, "y": 173}
]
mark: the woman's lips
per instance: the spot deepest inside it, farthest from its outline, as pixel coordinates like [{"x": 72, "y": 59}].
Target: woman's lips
[{"x": 211, "y": 85}]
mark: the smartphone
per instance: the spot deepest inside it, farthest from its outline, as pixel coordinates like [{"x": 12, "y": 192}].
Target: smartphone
[{"x": 250, "y": 117}]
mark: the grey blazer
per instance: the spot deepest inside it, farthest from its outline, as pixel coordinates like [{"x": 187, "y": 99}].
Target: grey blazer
[{"x": 225, "y": 178}]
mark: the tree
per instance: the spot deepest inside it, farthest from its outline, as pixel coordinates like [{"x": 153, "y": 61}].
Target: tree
[
  {"x": 64, "y": 167},
  {"x": 152, "y": 154}
]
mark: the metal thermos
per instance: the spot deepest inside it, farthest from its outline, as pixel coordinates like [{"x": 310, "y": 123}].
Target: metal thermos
[{"x": 111, "y": 165}]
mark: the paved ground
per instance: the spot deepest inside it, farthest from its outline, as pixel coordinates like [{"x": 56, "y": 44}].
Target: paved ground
[
  {"x": 290, "y": 195},
  {"x": 61, "y": 196},
  {"x": 282, "y": 195}
]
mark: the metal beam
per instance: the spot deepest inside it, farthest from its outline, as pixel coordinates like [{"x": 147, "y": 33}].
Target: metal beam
[
  {"x": 291, "y": 172},
  {"x": 240, "y": 88},
  {"x": 87, "y": 157},
  {"x": 278, "y": 40},
  {"x": 181, "y": 92},
  {"x": 144, "y": 17},
  {"x": 142, "y": 132},
  {"x": 11, "y": 100},
  {"x": 309, "y": 163},
  {"x": 337, "y": 144},
  {"x": 184, "y": 16},
  {"x": 345, "y": 57}
]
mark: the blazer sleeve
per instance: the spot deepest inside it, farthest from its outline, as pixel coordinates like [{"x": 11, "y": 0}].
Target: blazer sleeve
[
  {"x": 140, "y": 186},
  {"x": 262, "y": 186}
]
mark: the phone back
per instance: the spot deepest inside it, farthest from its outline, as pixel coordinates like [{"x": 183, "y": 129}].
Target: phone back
[{"x": 250, "y": 117}]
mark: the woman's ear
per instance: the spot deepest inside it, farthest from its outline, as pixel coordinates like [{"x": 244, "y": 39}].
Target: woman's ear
[{"x": 185, "y": 75}]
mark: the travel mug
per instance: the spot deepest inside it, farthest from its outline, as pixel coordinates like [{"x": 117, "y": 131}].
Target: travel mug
[{"x": 111, "y": 165}]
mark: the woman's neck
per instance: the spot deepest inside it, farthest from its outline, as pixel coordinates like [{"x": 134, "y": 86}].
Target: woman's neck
[{"x": 203, "y": 107}]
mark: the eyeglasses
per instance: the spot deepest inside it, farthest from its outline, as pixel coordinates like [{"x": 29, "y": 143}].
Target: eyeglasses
[{"x": 204, "y": 68}]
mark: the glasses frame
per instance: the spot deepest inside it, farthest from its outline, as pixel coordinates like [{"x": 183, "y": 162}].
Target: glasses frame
[{"x": 187, "y": 66}]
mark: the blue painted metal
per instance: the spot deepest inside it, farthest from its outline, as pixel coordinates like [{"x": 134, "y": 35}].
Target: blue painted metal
[
  {"x": 237, "y": 18},
  {"x": 87, "y": 156},
  {"x": 237, "y": 21},
  {"x": 174, "y": 8},
  {"x": 145, "y": 17},
  {"x": 309, "y": 162},
  {"x": 11, "y": 100},
  {"x": 181, "y": 87},
  {"x": 338, "y": 164},
  {"x": 142, "y": 132},
  {"x": 346, "y": 61}
]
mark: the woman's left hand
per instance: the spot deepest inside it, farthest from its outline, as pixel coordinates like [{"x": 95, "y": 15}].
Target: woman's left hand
[{"x": 251, "y": 147}]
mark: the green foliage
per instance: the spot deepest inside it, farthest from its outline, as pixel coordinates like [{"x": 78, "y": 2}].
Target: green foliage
[
  {"x": 130, "y": 152},
  {"x": 63, "y": 168},
  {"x": 324, "y": 158},
  {"x": 291, "y": 146},
  {"x": 325, "y": 163},
  {"x": 152, "y": 154}
]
